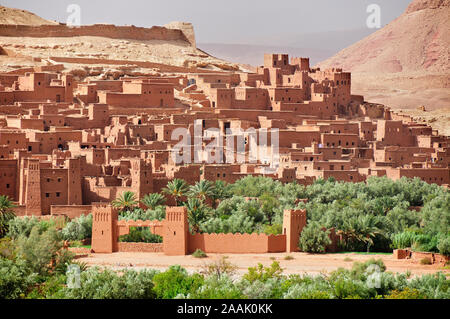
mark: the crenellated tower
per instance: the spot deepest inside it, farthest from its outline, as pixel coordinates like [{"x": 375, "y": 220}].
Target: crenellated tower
[
  {"x": 176, "y": 231},
  {"x": 293, "y": 223}
]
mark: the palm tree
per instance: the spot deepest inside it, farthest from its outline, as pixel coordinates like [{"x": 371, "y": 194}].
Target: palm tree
[
  {"x": 153, "y": 200},
  {"x": 361, "y": 229},
  {"x": 197, "y": 213},
  {"x": 177, "y": 188},
  {"x": 6, "y": 214},
  {"x": 202, "y": 190},
  {"x": 221, "y": 191},
  {"x": 269, "y": 204},
  {"x": 126, "y": 202}
]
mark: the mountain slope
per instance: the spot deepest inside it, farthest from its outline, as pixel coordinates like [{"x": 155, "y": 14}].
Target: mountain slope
[
  {"x": 416, "y": 41},
  {"x": 406, "y": 64}
]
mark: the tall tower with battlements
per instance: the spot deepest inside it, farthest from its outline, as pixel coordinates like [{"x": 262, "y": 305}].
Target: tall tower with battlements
[
  {"x": 104, "y": 228},
  {"x": 176, "y": 231},
  {"x": 293, "y": 223}
]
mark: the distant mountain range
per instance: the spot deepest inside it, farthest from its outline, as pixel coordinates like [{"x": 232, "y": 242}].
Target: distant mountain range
[{"x": 317, "y": 46}]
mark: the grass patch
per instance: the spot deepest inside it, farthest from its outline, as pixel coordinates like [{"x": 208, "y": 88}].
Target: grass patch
[
  {"x": 425, "y": 261},
  {"x": 348, "y": 259},
  {"x": 288, "y": 257}
]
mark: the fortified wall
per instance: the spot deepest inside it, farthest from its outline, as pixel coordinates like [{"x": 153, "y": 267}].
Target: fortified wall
[{"x": 177, "y": 240}]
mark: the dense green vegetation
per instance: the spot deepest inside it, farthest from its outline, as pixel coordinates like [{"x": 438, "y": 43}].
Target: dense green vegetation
[
  {"x": 20, "y": 278},
  {"x": 371, "y": 216},
  {"x": 140, "y": 235},
  {"x": 6, "y": 214},
  {"x": 368, "y": 216}
]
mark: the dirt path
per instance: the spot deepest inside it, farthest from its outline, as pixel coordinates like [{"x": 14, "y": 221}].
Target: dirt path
[{"x": 301, "y": 264}]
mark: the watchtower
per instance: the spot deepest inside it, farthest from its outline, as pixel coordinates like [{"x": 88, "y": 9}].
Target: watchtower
[
  {"x": 293, "y": 223},
  {"x": 74, "y": 196},
  {"x": 31, "y": 180},
  {"x": 104, "y": 228},
  {"x": 176, "y": 231},
  {"x": 141, "y": 177}
]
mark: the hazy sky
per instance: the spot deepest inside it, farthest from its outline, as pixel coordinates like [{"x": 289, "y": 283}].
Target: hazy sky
[{"x": 224, "y": 21}]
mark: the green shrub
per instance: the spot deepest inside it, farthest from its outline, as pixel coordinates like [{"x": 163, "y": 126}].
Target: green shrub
[
  {"x": 22, "y": 226},
  {"x": 219, "y": 268},
  {"x": 274, "y": 229},
  {"x": 347, "y": 288},
  {"x": 425, "y": 261},
  {"x": 198, "y": 253},
  {"x": 215, "y": 287},
  {"x": 307, "y": 287},
  {"x": 257, "y": 289},
  {"x": 78, "y": 228},
  {"x": 433, "y": 286},
  {"x": 313, "y": 239},
  {"x": 306, "y": 292},
  {"x": 403, "y": 240},
  {"x": 40, "y": 250},
  {"x": 359, "y": 268},
  {"x": 7, "y": 248},
  {"x": 444, "y": 245},
  {"x": 140, "y": 235},
  {"x": 176, "y": 281},
  {"x": 48, "y": 288},
  {"x": 261, "y": 273},
  {"x": 425, "y": 242},
  {"x": 15, "y": 278},
  {"x": 108, "y": 284},
  {"x": 407, "y": 293}
]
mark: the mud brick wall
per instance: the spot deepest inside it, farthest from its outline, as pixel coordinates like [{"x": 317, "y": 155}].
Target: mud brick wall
[
  {"x": 237, "y": 243},
  {"x": 141, "y": 247}
]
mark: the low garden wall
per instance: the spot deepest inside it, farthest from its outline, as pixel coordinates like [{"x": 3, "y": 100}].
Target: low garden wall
[
  {"x": 140, "y": 247},
  {"x": 434, "y": 258},
  {"x": 237, "y": 243}
]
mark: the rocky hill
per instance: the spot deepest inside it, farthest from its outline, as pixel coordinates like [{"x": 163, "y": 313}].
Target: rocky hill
[
  {"x": 416, "y": 41},
  {"x": 22, "y": 17},
  {"x": 405, "y": 65},
  {"x": 27, "y": 41}
]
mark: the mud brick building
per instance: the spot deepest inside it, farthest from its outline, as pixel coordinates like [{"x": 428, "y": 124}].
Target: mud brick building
[{"x": 67, "y": 144}]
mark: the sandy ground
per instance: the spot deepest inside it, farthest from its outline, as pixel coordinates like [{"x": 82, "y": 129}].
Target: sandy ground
[{"x": 302, "y": 263}]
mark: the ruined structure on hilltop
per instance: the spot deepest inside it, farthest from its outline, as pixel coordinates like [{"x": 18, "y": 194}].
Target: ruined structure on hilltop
[{"x": 65, "y": 145}]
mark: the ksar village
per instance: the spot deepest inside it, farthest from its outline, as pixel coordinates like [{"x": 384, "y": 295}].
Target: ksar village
[{"x": 135, "y": 165}]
